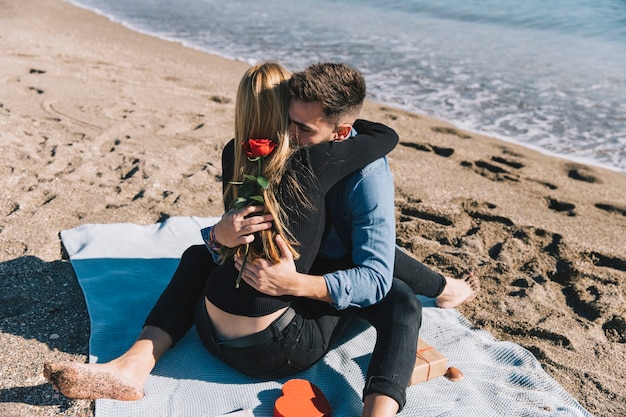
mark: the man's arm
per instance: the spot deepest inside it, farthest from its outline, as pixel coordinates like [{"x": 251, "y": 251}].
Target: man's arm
[
  {"x": 364, "y": 212},
  {"x": 282, "y": 278},
  {"x": 362, "y": 206}
]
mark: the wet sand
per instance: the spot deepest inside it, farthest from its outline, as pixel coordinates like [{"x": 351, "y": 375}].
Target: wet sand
[{"x": 100, "y": 124}]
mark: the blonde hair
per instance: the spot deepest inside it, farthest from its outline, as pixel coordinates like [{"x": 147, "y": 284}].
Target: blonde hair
[{"x": 262, "y": 111}]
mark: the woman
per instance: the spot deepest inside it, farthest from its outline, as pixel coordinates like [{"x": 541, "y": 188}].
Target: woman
[
  {"x": 235, "y": 324},
  {"x": 260, "y": 335}
]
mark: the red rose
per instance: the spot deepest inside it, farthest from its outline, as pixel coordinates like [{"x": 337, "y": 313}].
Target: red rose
[{"x": 255, "y": 148}]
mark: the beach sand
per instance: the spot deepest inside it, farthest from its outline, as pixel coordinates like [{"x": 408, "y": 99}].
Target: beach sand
[{"x": 99, "y": 124}]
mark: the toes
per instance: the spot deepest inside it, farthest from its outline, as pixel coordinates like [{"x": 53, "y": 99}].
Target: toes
[{"x": 472, "y": 281}]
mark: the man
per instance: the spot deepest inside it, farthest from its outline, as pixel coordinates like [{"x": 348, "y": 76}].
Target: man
[
  {"x": 324, "y": 99},
  {"x": 356, "y": 258},
  {"x": 358, "y": 252}
]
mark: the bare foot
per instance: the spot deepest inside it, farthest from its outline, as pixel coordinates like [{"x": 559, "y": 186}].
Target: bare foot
[
  {"x": 458, "y": 291},
  {"x": 91, "y": 381}
]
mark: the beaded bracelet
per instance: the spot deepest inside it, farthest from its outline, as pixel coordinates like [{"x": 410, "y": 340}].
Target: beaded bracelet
[
  {"x": 216, "y": 245},
  {"x": 212, "y": 242}
]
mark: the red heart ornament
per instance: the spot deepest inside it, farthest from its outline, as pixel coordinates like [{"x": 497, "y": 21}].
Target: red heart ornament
[{"x": 301, "y": 398}]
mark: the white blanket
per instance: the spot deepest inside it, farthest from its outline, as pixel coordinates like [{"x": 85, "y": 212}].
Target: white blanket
[{"x": 122, "y": 269}]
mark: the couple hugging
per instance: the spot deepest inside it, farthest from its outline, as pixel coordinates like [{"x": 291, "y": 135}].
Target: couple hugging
[{"x": 306, "y": 245}]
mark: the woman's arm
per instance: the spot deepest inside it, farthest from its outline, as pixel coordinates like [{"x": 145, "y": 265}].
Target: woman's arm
[
  {"x": 334, "y": 160},
  {"x": 237, "y": 226}
]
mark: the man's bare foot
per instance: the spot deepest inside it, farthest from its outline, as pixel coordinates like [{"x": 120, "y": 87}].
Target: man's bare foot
[
  {"x": 458, "y": 291},
  {"x": 91, "y": 381}
]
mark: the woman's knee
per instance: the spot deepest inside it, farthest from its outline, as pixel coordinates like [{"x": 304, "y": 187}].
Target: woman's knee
[{"x": 196, "y": 256}]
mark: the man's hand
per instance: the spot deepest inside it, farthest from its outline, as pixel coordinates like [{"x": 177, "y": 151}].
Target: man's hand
[
  {"x": 236, "y": 228},
  {"x": 268, "y": 277},
  {"x": 282, "y": 278}
]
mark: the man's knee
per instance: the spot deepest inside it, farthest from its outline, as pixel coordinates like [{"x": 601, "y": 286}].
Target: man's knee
[
  {"x": 402, "y": 293},
  {"x": 404, "y": 303}
]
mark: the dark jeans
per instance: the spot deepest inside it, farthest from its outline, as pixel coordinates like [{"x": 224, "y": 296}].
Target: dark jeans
[
  {"x": 306, "y": 339},
  {"x": 417, "y": 276}
]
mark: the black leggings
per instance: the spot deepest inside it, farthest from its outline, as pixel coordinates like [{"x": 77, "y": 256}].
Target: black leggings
[{"x": 174, "y": 311}]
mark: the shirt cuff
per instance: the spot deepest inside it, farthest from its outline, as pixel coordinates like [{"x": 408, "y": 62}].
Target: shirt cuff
[{"x": 208, "y": 237}]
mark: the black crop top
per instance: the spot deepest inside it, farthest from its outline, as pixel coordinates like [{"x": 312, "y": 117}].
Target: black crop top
[{"x": 316, "y": 168}]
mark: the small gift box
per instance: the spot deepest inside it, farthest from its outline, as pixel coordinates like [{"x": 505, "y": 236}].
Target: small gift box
[{"x": 429, "y": 363}]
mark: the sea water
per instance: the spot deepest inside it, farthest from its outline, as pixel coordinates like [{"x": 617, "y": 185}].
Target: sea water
[{"x": 550, "y": 75}]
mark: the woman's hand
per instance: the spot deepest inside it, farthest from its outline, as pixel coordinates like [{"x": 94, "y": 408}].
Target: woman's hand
[{"x": 237, "y": 226}]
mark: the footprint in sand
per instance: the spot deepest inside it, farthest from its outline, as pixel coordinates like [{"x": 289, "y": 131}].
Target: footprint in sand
[
  {"x": 450, "y": 131},
  {"x": 139, "y": 195},
  {"x": 615, "y": 329},
  {"x": 493, "y": 170},
  {"x": 584, "y": 299},
  {"x": 49, "y": 199},
  {"x": 130, "y": 173},
  {"x": 582, "y": 293},
  {"x": 544, "y": 183},
  {"x": 611, "y": 208},
  {"x": 477, "y": 211},
  {"x": 581, "y": 173},
  {"x": 526, "y": 330},
  {"x": 522, "y": 284},
  {"x": 508, "y": 162},
  {"x": 12, "y": 208},
  {"x": 390, "y": 114},
  {"x": 115, "y": 143},
  {"x": 38, "y": 90},
  {"x": 425, "y": 147},
  {"x": 409, "y": 213},
  {"x": 425, "y": 222},
  {"x": 561, "y": 206},
  {"x": 220, "y": 99},
  {"x": 612, "y": 262}
]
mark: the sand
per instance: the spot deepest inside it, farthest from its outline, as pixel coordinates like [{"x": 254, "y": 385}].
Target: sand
[{"x": 99, "y": 124}]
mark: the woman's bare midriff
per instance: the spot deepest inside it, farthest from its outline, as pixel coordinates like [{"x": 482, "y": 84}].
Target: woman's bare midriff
[{"x": 231, "y": 326}]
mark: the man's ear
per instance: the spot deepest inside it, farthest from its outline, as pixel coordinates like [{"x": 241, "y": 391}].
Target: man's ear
[{"x": 342, "y": 132}]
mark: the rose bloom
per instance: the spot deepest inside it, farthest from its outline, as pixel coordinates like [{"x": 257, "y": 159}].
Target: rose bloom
[{"x": 255, "y": 148}]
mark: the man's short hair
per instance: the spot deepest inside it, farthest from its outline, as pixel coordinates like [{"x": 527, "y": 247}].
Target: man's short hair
[{"x": 338, "y": 87}]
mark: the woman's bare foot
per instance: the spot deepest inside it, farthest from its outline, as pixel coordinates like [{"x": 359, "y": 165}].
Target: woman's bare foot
[
  {"x": 91, "y": 381},
  {"x": 121, "y": 379},
  {"x": 458, "y": 291}
]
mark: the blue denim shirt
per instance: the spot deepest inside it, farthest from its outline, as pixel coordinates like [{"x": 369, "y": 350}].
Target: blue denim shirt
[{"x": 362, "y": 208}]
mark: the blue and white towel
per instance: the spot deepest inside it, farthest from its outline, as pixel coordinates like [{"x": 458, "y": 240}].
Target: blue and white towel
[{"x": 122, "y": 269}]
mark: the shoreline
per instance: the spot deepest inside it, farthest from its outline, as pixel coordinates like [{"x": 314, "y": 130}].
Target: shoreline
[
  {"x": 102, "y": 124},
  {"x": 458, "y": 124}
]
